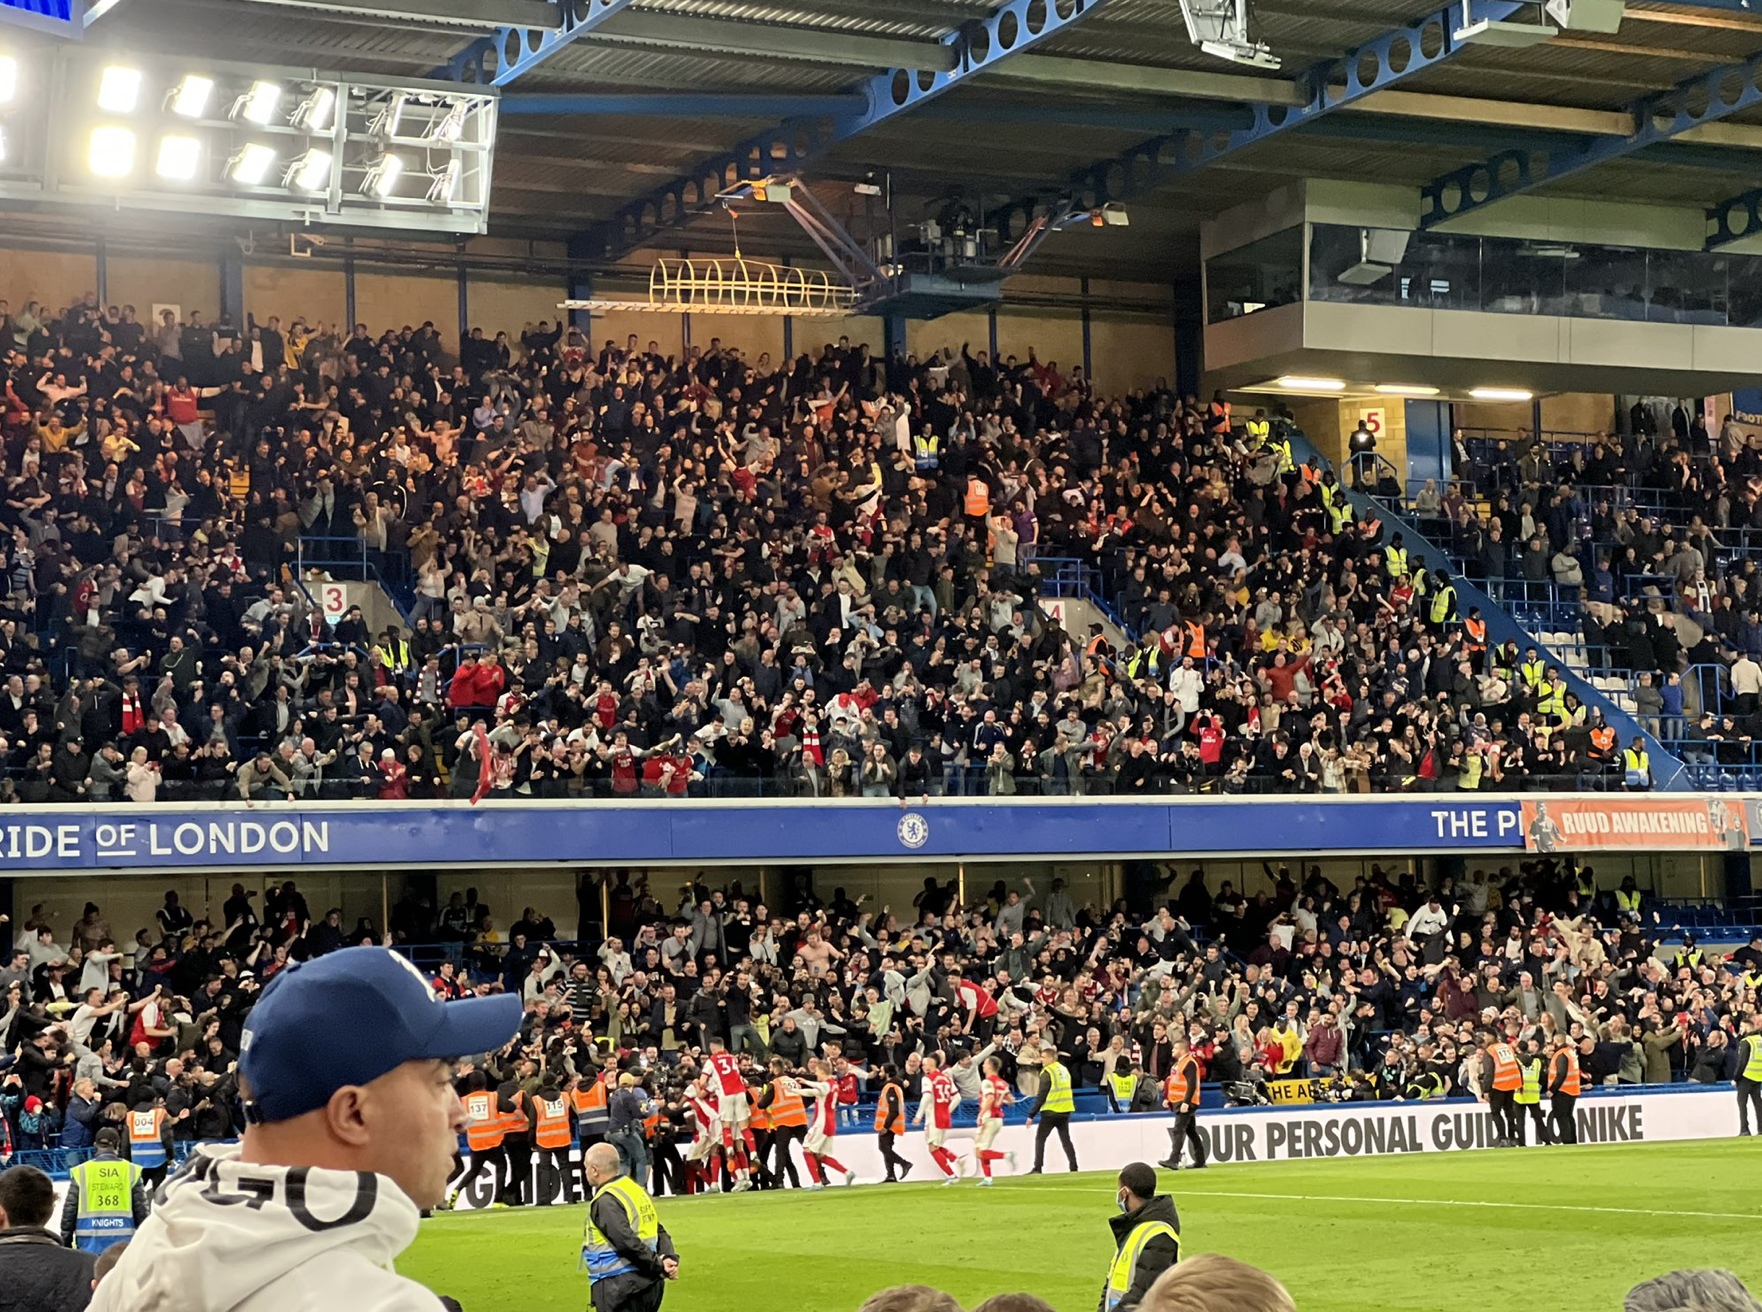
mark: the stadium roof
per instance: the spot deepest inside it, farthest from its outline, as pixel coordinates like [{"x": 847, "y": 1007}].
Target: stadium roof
[{"x": 1086, "y": 92}]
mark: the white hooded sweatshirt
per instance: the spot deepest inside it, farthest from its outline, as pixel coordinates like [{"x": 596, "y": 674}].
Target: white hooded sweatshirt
[{"x": 229, "y": 1236}]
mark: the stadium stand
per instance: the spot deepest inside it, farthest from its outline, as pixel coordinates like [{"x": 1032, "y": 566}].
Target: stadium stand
[
  {"x": 620, "y": 572},
  {"x": 1377, "y": 991}
]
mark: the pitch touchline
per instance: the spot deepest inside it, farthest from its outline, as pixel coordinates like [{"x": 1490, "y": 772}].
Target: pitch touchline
[{"x": 1443, "y": 1202}]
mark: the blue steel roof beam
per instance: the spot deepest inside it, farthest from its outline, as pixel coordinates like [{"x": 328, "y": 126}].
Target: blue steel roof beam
[
  {"x": 1663, "y": 116},
  {"x": 795, "y": 142},
  {"x": 497, "y": 60},
  {"x": 1331, "y": 85},
  {"x": 1733, "y": 219}
]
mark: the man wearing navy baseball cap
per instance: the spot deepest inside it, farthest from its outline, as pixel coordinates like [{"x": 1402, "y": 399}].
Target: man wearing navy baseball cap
[{"x": 346, "y": 1073}]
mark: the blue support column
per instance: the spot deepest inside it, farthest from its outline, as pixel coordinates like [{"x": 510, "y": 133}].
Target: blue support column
[
  {"x": 464, "y": 304},
  {"x": 788, "y": 329},
  {"x": 1428, "y": 442},
  {"x": 232, "y": 285},
  {"x": 103, "y": 263},
  {"x": 349, "y": 291},
  {"x": 581, "y": 289},
  {"x": 1088, "y": 346},
  {"x": 894, "y": 327},
  {"x": 991, "y": 316},
  {"x": 1189, "y": 337}
]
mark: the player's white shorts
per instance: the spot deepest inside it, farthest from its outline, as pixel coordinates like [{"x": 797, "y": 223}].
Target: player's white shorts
[
  {"x": 818, "y": 1142},
  {"x": 988, "y": 1129},
  {"x": 734, "y": 1110},
  {"x": 935, "y": 1135},
  {"x": 705, "y": 1144}
]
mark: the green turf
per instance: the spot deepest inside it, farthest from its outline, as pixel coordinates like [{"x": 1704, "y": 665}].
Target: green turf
[{"x": 1345, "y": 1236}]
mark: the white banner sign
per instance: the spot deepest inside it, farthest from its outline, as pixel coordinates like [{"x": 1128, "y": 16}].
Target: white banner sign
[{"x": 1275, "y": 1134}]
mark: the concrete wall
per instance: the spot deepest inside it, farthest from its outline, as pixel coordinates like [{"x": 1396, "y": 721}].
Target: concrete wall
[{"x": 1130, "y": 347}]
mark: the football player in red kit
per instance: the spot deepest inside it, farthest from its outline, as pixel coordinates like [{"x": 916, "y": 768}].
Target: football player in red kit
[
  {"x": 703, "y": 1158},
  {"x": 734, "y": 1112},
  {"x": 994, "y": 1096},
  {"x": 940, "y": 1099},
  {"x": 822, "y": 1126}
]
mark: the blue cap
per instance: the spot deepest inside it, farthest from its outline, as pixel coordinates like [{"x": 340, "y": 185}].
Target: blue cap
[{"x": 349, "y": 1017}]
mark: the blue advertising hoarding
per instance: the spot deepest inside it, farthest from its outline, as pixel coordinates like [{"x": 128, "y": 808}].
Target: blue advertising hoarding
[{"x": 68, "y": 839}]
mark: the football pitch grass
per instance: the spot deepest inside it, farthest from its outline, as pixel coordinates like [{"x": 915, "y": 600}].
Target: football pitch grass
[{"x": 1572, "y": 1228}]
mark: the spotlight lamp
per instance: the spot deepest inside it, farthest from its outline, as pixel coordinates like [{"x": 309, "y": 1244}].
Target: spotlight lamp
[
  {"x": 310, "y": 172},
  {"x": 259, "y": 104},
  {"x": 451, "y": 125},
  {"x": 111, "y": 153},
  {"x": 180, "y": 157},
  {"x": 8, "y": 79},
  {"x": 252, "y": 164},
  {"x": 314, "y": 112},
  {"x": 382, "y": 176},
  {"x": 189, "y": 99},
  {"x": 444, "y": 185},
  {"x": 119, "y": 89}
]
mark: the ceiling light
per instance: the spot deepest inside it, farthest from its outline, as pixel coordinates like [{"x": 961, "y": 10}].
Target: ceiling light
[
  {"x": 383, "y": 176},
  {"x": 179, "y": 158},
  {"x": 445, "y": 184},
  {"x": 190, "y": 100},
  {"x": 389, "y": 118},
  {"x": 314, "y": 111},
  {"x": 311, "y": 172},
  {"x": 8, "y": 78},
  {"x": 258, "y": 105},
  {"x": 252, "y": 164},
  {"x": 1293, "y": 383},
  {"x": 112, "y": 152},
  {"x": 1406, "y": 389},
  {"x": 1502, "y": 394},
  {"x": 451, "y": 125},
  {"x": 119, "y": 89}
]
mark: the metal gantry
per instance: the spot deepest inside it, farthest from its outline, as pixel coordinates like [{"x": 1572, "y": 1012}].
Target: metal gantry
[
  {"x": 497, "y": 60},
  {"x": 1705, "y": 98},
  {"x": 794, "y": 142},
  {"x": 1734, "y": 219},
  {"x": 1332, "y": 85}
]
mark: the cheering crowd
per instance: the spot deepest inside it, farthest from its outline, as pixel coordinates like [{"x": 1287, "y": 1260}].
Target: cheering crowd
[
  {"x": 1379, "y": 990},
  {"x": 633, "y": 573}
]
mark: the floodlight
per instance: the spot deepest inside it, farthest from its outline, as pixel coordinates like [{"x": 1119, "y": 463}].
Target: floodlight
[
  {"x": 1221, "y": 28},
  {"x": 112, "y": 152},
  {"x": 119, "y": 89},
  {"x": 8, "y": 78},
  {"x": 382, "y": 176},
  {"x": 313, "y": 113},
  {"x": 252, "y": 164},
  {"x": 443, "y": 186},
  {"x": 258, "y": 105},
  {"x": 451, "y": 126},
  {"x": 190, "y": 100},
  {"x": 179, "y": 158},
  {"x": 311, "y": 171}
]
